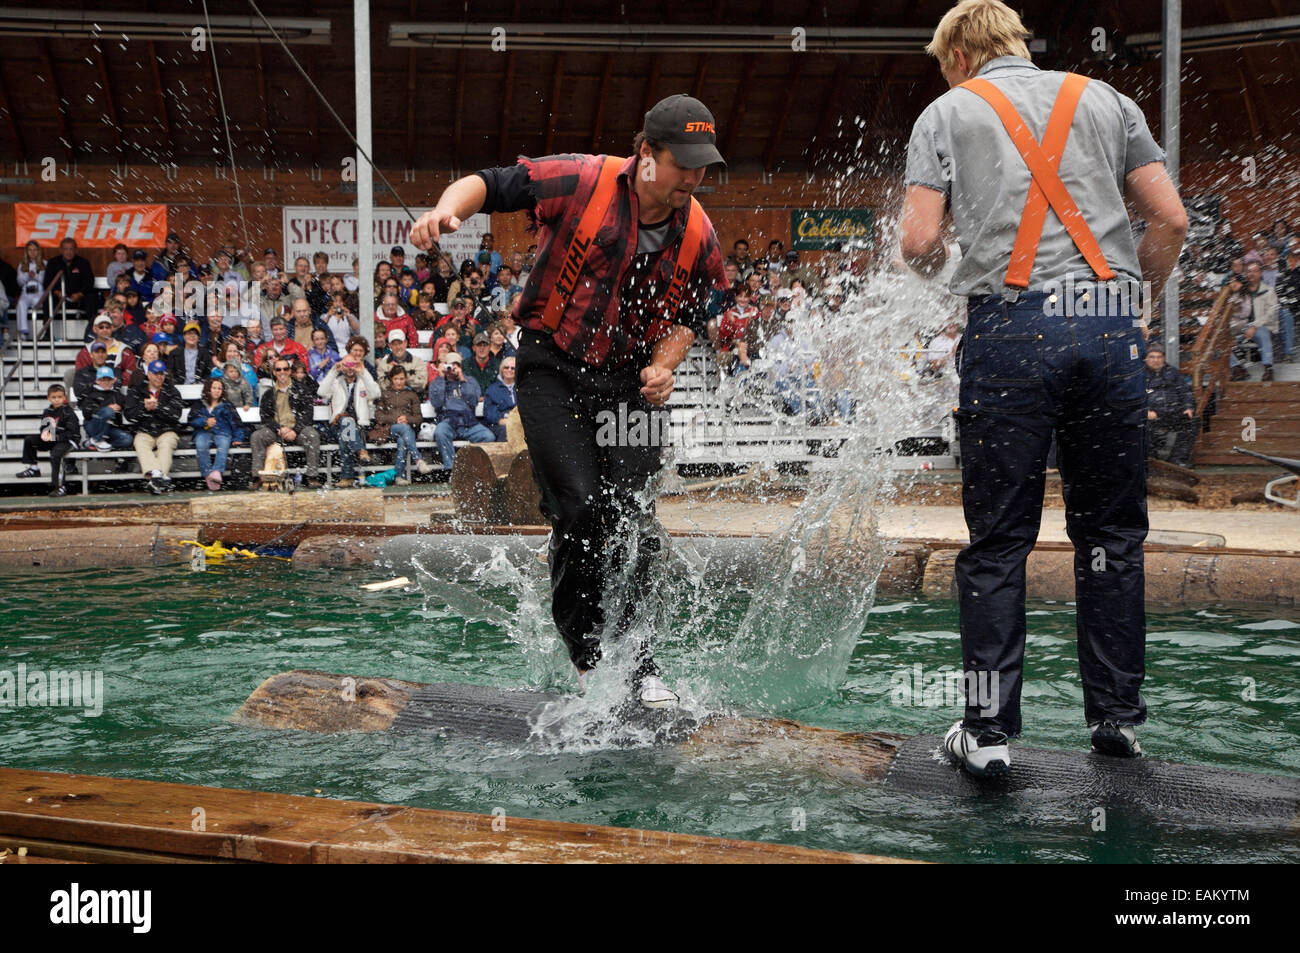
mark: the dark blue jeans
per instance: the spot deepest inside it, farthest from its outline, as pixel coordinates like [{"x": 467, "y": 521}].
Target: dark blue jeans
[{"x": 1028, "y": 371}]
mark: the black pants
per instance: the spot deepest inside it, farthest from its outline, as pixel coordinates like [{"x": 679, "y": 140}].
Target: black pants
[
  {"x": 33, "y": 444},
  {"x": 592, "y": 490},
  {"x": 1028, "y": 371}
]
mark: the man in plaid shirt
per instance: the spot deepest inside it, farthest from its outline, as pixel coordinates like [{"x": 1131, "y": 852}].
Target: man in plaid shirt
[{"x": 611, "y": 306}]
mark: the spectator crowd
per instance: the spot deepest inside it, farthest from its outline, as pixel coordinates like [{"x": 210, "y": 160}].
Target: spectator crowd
[{"x": 268, "y": 345}]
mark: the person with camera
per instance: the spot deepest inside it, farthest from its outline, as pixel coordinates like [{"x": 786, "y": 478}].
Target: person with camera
[{"x": 455, "y": 398}]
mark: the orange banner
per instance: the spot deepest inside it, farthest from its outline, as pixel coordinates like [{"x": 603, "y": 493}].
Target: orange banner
[{"x": 93, "y": 226}]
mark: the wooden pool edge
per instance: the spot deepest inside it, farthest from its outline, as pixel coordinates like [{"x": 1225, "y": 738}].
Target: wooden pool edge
[{"x": 89, "y": 818}]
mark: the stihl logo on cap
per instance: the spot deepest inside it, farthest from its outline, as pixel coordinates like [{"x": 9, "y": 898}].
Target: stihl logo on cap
[{"x": 700, "y": 126}]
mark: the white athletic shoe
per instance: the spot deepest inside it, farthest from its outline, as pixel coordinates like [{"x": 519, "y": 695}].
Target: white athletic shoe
[
  {"x": 423, "y": 466},
  {"x": 984, "y": 761},
  {"x": 653, "y": 693},
  {"x": 1118, "y": 741}
]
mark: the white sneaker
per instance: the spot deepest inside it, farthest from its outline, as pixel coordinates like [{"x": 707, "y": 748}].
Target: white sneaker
[
  {"x": 101, "y": 445},
  {"x": 653, "y": 693},
  {"x": 984, "y": 761},
  {"x": 1118, "y": 741},
  {"x": 423, "y": 466},
  {"x": 401, "y": 481}
]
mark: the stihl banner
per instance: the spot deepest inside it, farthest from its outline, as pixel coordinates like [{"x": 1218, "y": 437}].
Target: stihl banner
[{"x": 93, "y": 226}]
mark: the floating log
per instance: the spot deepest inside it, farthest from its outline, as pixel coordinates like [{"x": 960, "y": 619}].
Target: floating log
[
  {"x": 95, "y": 547},
  {"x": 729, "y": 560},
  {"x": 1172, "y": 577},
  {"x": 87, "y": 818},
  {"x": 319, "y": 701},
  {"x": 363, "y": 505},
  {"x": 337, "y": 552}
]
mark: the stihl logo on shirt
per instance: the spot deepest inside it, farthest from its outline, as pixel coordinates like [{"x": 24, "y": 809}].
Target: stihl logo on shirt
[{"x": 700, "y": 126}]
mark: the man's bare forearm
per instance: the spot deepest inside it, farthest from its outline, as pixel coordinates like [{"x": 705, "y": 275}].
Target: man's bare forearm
[
  {"x": 464, "y": 197},
  {"x": 1158, "y": 253},
  {"x": 670, "y": 350}
]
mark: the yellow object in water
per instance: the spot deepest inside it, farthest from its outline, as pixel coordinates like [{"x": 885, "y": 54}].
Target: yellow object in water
[{"x": 218, "y": 551}]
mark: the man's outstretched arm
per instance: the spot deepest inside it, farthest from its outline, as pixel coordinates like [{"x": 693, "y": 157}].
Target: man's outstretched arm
[{"x": 459, "y": 201}]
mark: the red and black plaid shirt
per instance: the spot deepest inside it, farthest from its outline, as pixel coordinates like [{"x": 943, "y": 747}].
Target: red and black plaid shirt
[{"x": 617, "y": 306}]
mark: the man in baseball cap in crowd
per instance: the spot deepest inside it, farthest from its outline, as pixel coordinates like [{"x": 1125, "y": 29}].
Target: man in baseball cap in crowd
[
  {"x": 482, "y": 366},
  {"x": 589, "y": 347},
  {"x": 153, "y": 410}
]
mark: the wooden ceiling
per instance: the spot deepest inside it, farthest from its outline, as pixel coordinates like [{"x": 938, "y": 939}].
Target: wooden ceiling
[{"x": 145, "y": 102}]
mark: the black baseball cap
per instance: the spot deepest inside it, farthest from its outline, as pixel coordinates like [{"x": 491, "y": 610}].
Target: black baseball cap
[{"x": 685, "y": 126}]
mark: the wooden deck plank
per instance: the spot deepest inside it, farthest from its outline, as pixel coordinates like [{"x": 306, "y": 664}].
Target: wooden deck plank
[{"x": 157, "y": 817}]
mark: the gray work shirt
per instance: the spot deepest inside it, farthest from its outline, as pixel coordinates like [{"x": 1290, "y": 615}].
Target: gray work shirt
[{"x": 959, "y": 147}]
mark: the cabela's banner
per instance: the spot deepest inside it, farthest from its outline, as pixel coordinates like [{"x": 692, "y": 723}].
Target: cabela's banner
[
  {"x": 333, "y": 230},
  {"x": 93, "y": 226},
  {"x": 831, "y": 229}
]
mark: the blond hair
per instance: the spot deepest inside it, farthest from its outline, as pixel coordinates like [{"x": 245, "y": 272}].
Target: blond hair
[{"x": 983, "y": 30}]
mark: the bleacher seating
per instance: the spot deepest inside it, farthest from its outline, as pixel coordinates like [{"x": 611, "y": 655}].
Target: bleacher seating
[{"x": 746, "y": 433}]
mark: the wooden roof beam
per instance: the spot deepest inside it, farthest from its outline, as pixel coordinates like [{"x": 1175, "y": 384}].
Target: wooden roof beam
[
  {"x": 553, "y": 103},
  {"x": 457, "y": 125},
  {"x": 792, "y": 84},
  {"x": 43, "y": 46},
  {"x": 20, "y": 150},
  {"x": 599, "y": 121},
  {"x": 163, "y": 116}
]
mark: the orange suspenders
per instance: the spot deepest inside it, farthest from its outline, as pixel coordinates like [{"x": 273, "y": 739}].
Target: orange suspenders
[
  {"x": 589, "y": 224},
  {"x": 1045, "y": 186}
]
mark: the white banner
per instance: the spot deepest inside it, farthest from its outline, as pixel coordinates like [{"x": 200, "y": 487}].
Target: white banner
[{"x": 333, "y": 230}]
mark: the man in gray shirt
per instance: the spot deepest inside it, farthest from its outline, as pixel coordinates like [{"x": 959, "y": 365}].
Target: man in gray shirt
[{"x": 1049, "y": 268}]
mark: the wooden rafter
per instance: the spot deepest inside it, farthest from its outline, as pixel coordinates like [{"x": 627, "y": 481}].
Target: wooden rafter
[
  {"x": 599, "y": 121},
  {"x": 43, "y": 47},
  {"x": 102, "y": 63},
  {"x": 778, "y": 127},
  {"x": 460, "y": 105},
  {"x": 553, "y": 104},
  {"x": 830, "y": 104},
  {"x": 315, "y": 135},
  {"x": 163, "y": 117},
  {"x": 648, "y": 97},
  {"x": 410, "y": 100},
  {"x": 507, "y": 93},
  {"x": 738, "y": 104},
  {"x": 269, "y": 159},
  {"x": 20, "y": 150}
]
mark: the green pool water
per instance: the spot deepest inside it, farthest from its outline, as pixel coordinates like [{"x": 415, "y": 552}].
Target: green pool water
[{"x": 180, "y": 650}]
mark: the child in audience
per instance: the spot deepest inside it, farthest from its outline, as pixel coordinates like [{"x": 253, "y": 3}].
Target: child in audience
[{"x": 60, "y": 431}]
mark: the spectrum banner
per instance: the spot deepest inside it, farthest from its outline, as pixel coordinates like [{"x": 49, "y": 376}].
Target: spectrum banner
[
  {"x": 93, "y": 226},
  {"x": 333, "y": 230}
]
